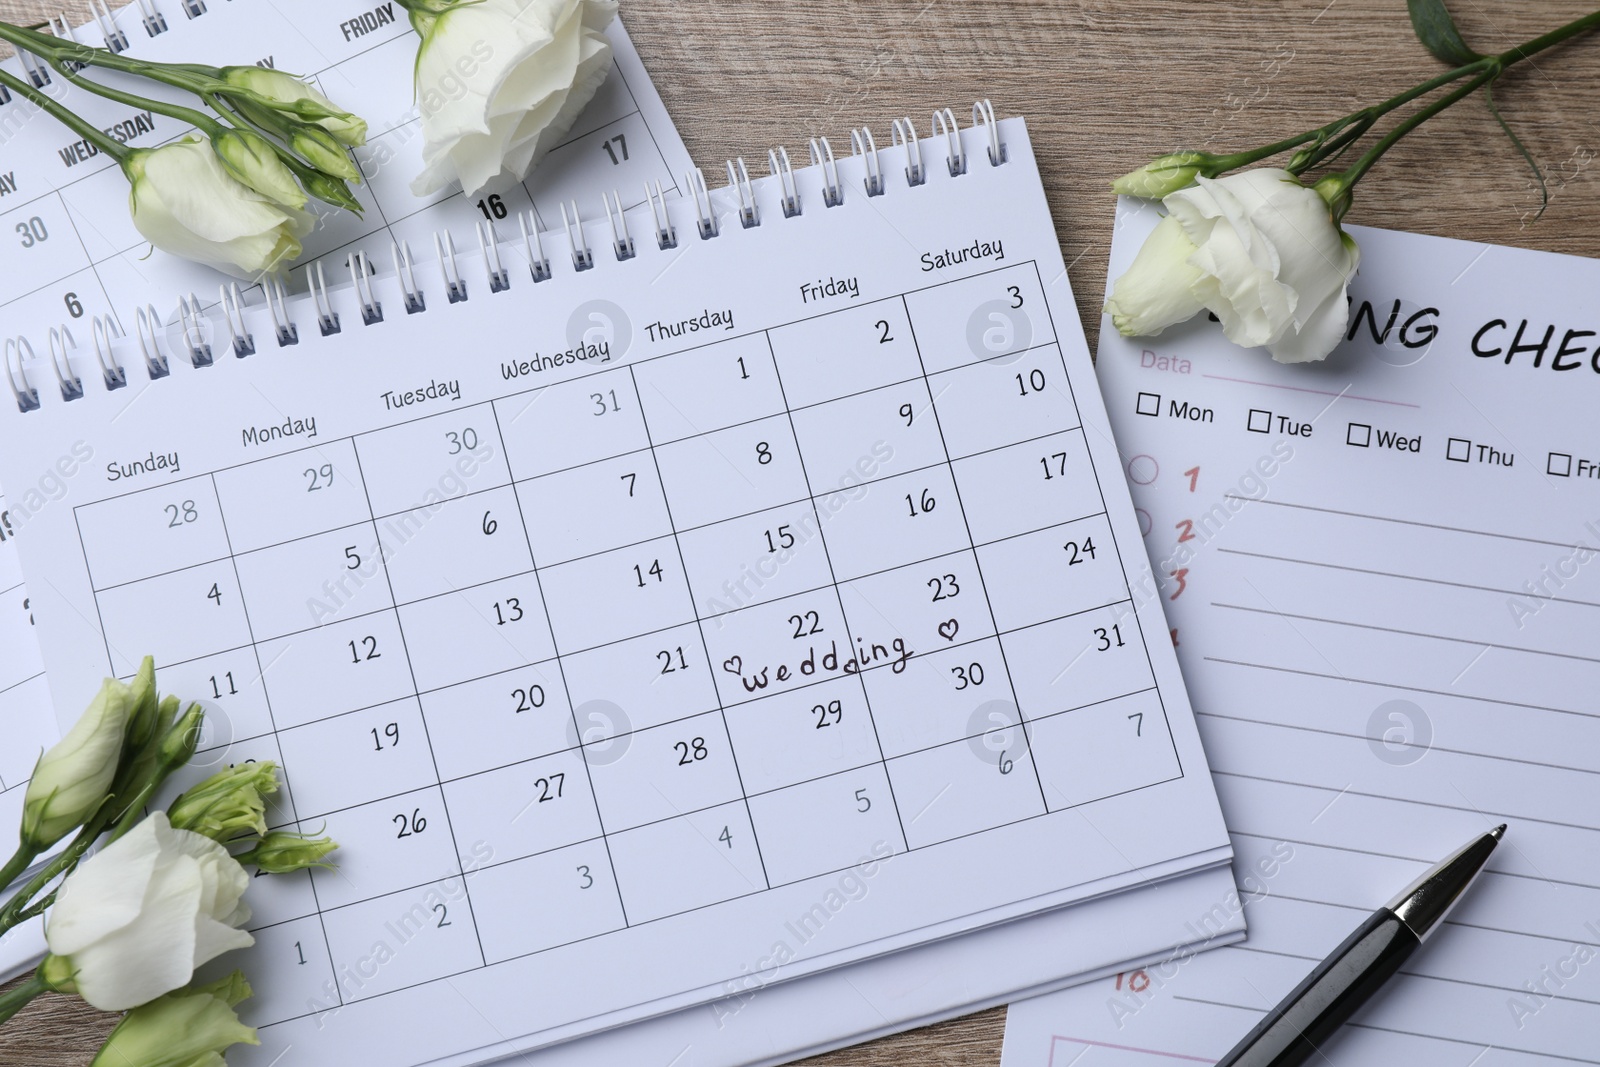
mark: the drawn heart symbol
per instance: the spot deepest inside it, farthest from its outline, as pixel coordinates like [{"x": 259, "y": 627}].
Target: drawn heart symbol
[
  {"x": 947, "y": 630},
  {"x": 733, "y": 664}
]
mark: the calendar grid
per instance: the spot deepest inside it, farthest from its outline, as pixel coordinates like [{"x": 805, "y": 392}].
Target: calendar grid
[
  {"x": 833, "y": 576},
  {"x": 444, "y": 800},
  {"x": 572, "y": 712},
  {"x": 635, "y": 544},
  {"x": 755, "y": 793},
  {"x": 705, "y": 648},
  {"x": 284, "y": 772},
  {"x": 585, "y": 621},
  {"x": 1144, "y": 642},
  {"x": 1022, "y": 716}
]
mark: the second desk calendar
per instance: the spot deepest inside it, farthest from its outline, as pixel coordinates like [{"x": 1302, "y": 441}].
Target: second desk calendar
[{"x": 781, "y": 623}]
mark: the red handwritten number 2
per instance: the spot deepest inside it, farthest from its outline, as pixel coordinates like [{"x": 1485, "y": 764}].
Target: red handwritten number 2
[
  {"x": 1193, "y": 474},
  {"x": 1182, "y": 575},
  {"x": 1185, "y": 530}
]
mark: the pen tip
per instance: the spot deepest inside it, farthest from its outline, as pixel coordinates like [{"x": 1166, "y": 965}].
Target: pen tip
[{"x": 1498, "y": 832}]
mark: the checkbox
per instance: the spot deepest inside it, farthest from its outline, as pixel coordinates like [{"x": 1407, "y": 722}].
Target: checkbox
[
  {"x": 1359, "y": 434},
  {"x": 1148, "y": 404},
  {"x": 1559, "y": 464},
  {"x": 1259, "y": 421},
  {"x": 1458, "y": 449}
]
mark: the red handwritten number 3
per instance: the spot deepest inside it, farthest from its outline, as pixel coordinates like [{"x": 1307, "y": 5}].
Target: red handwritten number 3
[
  {"x": 1193, "y": 474},
  {"x": 1182, "y": 575}
]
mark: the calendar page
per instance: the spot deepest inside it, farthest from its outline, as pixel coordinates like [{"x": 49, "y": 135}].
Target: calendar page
[
  {"x": 69, "y": 251},
  {"x": 26, "y": 720},
  {"x": 755, "y": 604},
  {"x": 1382, "y": 575}
]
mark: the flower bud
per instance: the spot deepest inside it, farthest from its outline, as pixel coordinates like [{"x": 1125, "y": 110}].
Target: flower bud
[
  {"x": 323, "y": 151},
  {"x": 192, "y": 1026},
  {"x": 144, "y": 714},
  {"x": 331, "y": 190},
  {"x": 229, "y": 804},
  {"x": 251, "y": 159},
  {"x": 73, "y": 778},
  {"x": 287, "y": 94},
  {"x": 183, "y": 739},
  {"x": 284, "y": 851},
  {"x": 1164, "y": 175}
]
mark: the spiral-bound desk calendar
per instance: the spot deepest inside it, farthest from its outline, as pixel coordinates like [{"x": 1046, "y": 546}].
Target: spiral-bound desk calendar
[
  {"x": 738, "y": 586},
  {"x": 71, "y": 253}
]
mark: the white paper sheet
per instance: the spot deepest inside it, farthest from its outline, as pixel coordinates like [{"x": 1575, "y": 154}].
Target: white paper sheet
[
  {"x": 782, "y": 852},
  {"x": 1382, "y": 576}
]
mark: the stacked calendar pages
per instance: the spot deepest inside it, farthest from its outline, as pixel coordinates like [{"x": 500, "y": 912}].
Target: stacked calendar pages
[{"x": 755, "y": 595}]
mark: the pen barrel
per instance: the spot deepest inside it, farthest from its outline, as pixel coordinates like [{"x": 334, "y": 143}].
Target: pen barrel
[{"x": 1291, "y": 1032}]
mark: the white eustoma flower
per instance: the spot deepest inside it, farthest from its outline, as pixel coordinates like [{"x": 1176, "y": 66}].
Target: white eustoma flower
[
  {"x": 74, "y": 777},
  {"x": 184, "y": 202},
  {"x": 499, "y": 82},
  {"x": 1260, "y": 251},
  {"x": 135, "y": 919}
]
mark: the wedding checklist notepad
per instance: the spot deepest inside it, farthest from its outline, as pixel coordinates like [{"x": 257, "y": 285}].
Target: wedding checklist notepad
[
  {"x": 748, "y": 597},
  {"x": 1382, "y": 578}
]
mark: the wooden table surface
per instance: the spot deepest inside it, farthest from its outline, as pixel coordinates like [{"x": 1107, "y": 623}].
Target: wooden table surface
[{"x": 1105, "y": 85}]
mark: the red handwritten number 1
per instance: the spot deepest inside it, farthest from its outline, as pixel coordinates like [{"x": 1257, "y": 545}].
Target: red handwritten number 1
[
  {"x": 1193, "y": 474},
  {"x": 1138, "y": 981}
]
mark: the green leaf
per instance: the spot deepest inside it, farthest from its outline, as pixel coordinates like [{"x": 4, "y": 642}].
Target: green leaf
[
  {"x": 1437, "y": 32},
  {"x": 1538, "y": 175}
]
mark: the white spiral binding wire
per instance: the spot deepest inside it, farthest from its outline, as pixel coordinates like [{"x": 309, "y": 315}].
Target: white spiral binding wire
[
  {"x": 705, "y": 217},
  {"x": 146, "y": 323},
  {"x": 862, "y": 144},
  {"x": 327, "y": 318},
  {"x": 739, "y": 181},
  {"x": 365, "y": 282},
  {"x": 944, "y": 123},
  {"x": 116, "y": 40},
  {"x": 103, "y": 328},
  {"x": 194, "y": 332},
  {"x": 445, "y": 245},
  {"x": 489, "y": 245},
  {"x": 621, "y": 240},
  {"x": 905, "y": 133},
  {"x": 788, "y": 191},
  {"x": 582, "y": 254},
  {"x": 983, "y": 115},
  {"x": 38, "y": 73},
  {"x": 61, "y": 341},
  {"x": 538, "y": 262},
  {"x": 283, "y": 328},
  {"x": 822, "y": 156},
  {"x": 406, "y": 274},
  {"x": 153, "y": 20},
  {"x": 243, "y": 343},
  {"x": 27, "y": 396},
  {"x": 361, "y": 279},
  {"x": 666, "y": 235}
]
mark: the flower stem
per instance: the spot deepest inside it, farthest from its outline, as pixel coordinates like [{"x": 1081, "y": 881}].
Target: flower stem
[
  {"x": 198, "y": 119},
  {"x": 189, "y": 76},
  {"x": 18, "y": 863},
  {"x": 1331, "y": 139},
  {"x": 13, "y": 1001},
  {"x": 1390, "y": 139},
  {"x": 66, "y": 116}
]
